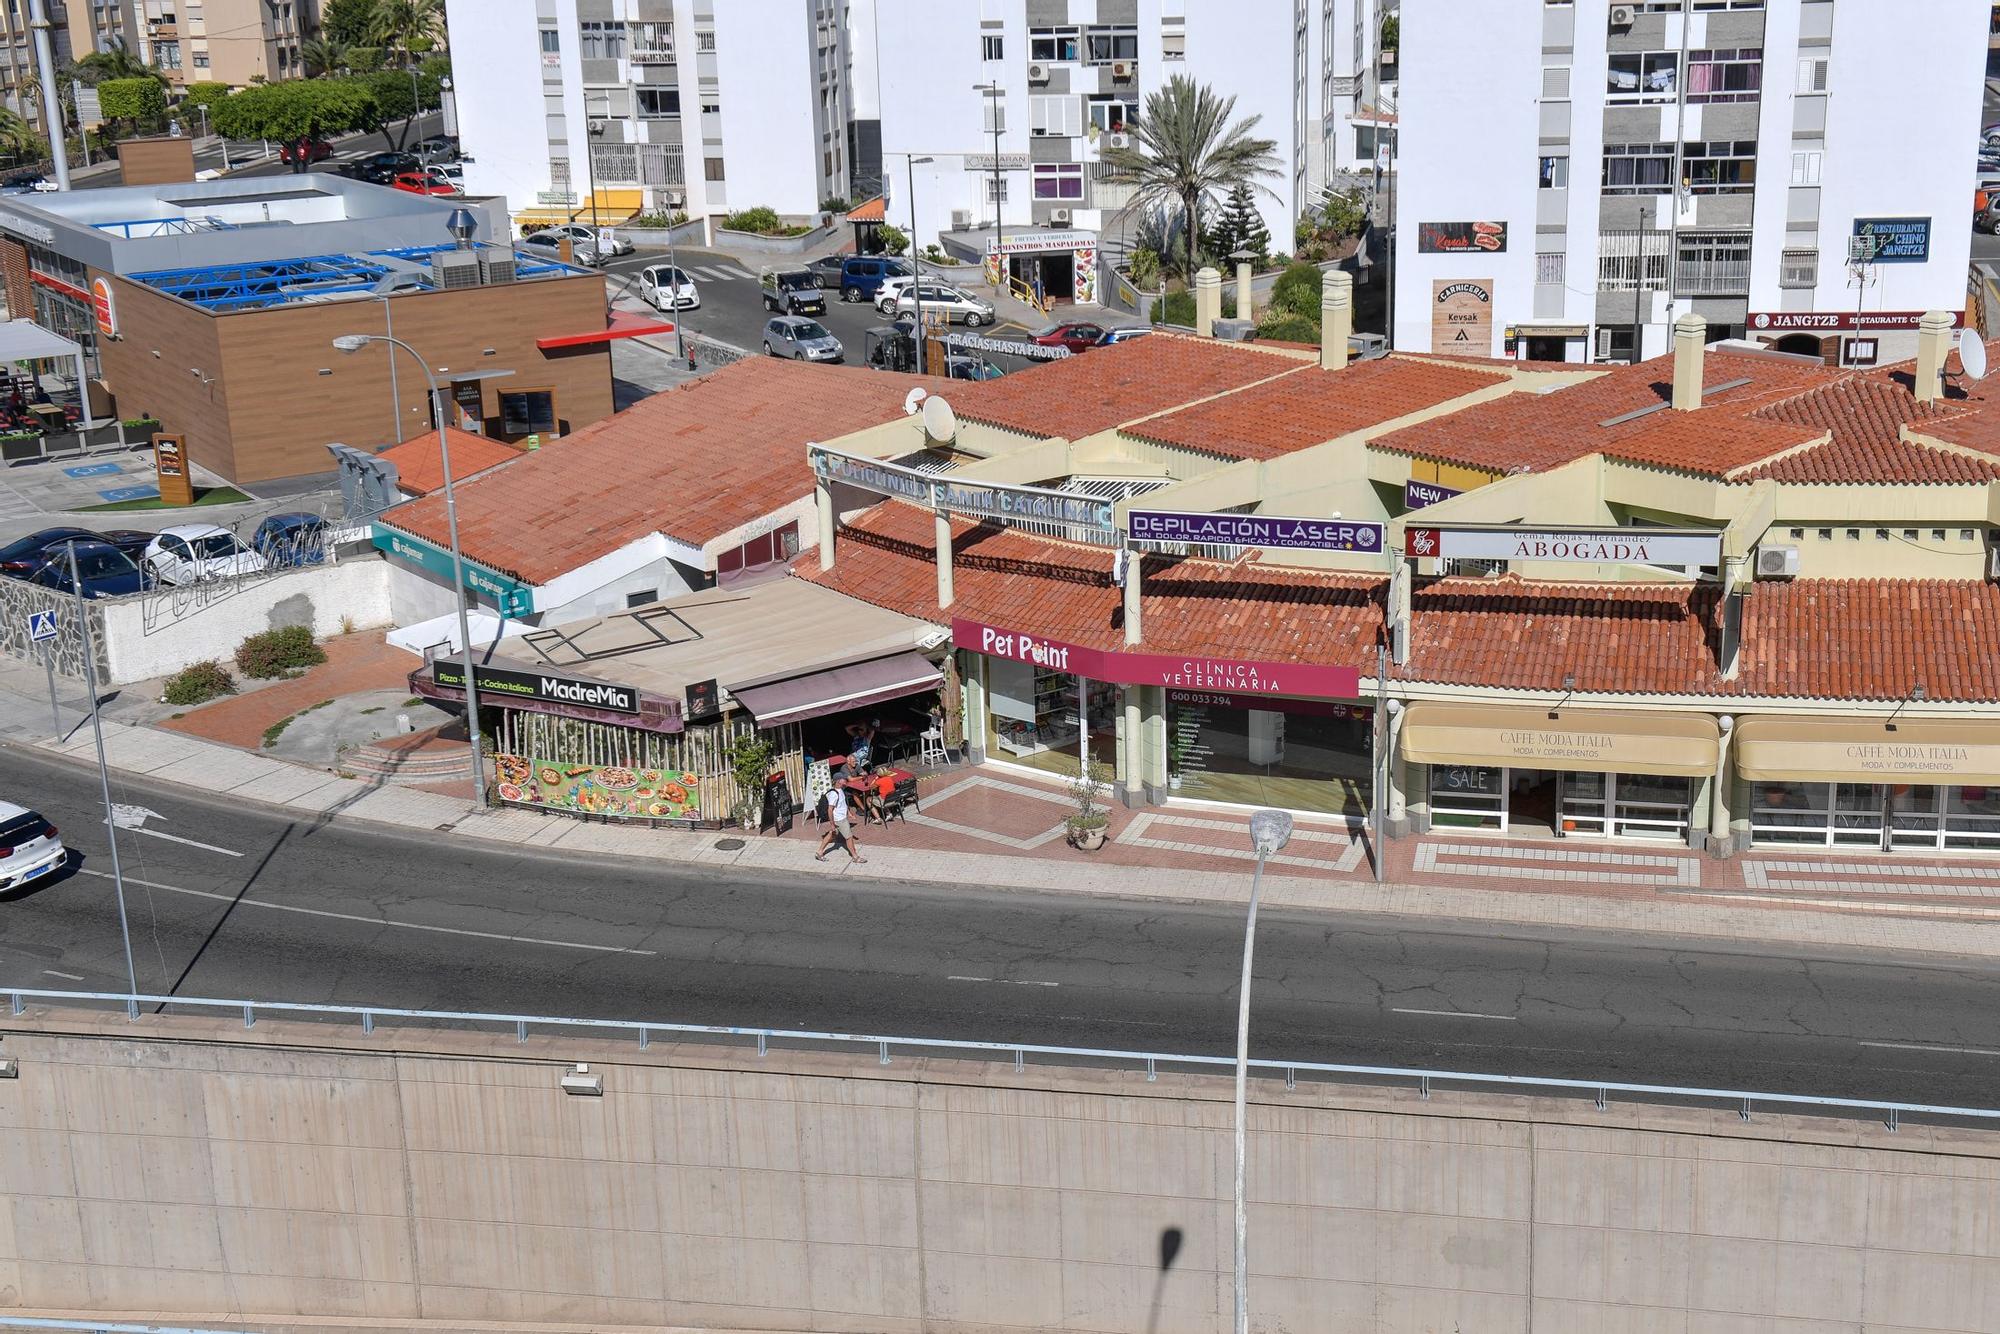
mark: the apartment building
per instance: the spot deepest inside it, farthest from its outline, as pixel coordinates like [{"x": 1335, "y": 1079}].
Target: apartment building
[
  {"x": 703, "y": 105},
  {"x": 237, "y": 42},
  {"x": 1050, "y": 84},
  {"x": 1576, "y": 174},
  {"x": 77, "y": 28}
]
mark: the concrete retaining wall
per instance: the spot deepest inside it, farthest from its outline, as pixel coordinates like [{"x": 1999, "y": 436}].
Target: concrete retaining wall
[
  {"x": 751, "y": 243},
  {"x": 273, "y": 1174}
]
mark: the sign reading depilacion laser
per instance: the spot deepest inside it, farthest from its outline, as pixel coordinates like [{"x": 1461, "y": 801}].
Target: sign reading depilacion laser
[{"x": 1254, "y": 530}]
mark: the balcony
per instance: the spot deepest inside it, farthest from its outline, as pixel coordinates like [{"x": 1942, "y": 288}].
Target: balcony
[
  {"x": 653, "y": 55},
  {"x": 1712, "y": 277}
]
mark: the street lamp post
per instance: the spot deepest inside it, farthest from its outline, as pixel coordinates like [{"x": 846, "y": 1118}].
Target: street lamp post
[
  {"x": 354, "y": 343},
  {"x": 1269, "y": 831},
  {"x": 103, "y": 771},
  {"x": 916, "y": 269},
  {"x": 996, "y": 92},
  {"x": 592, "y": 130}
]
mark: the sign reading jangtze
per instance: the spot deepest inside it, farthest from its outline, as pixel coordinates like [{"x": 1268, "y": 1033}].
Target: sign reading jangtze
[{"x": 1596, "y": 546}]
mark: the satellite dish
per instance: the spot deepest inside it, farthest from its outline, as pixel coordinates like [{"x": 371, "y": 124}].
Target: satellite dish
[
  {"x": 1972, "y": 354},
  {"x": 940, "y": 422},
  {"x": 914, "y": 400}
]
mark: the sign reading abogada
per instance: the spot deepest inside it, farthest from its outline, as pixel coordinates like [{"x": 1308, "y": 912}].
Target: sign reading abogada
[{"x": 1640, "y": 546}]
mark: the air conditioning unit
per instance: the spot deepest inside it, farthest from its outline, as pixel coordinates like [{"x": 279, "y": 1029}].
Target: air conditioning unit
[
  {"x": 676, "y": 198},
  {"x": 1777, "y": 562},
  {"x": 1623, "y": 16},
  {"x": 1038, "y": 73},
  {"x": 1118, "y": 140},
  {"x": 1122, "y": 69},
  {"x": 1059, "y": 215},
  {"x": 454, "y": 269},
  {"x": 961, "y": 219},
  {"x": 495, "y": 267}
]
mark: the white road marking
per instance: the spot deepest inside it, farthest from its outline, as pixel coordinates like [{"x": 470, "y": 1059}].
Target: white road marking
[
  {"x": 176, "y": 838},
  {"x": 67, "y": 977},
  {"x": 374, "y": 921},
  {"x": 1933, "y": 1046},
  {"x": 132, "y": 819},
  {"x": 1456, "y": 1014},
  {"x": 1004, "y": 981}
]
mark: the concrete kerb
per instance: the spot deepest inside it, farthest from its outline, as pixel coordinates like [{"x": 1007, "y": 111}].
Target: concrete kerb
[{"x": 146, "y": 754}]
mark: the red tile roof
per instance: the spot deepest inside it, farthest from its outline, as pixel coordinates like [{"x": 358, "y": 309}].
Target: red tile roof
[
  {"x": 1868, "y": 639},
  {"x": 1110, "y": 386},
  {"x": 692, "y": 462},
  {"x": 869, "y": 210},
  {"x": 1866, "y": 415},
  {"x": 419, "y": 472},
  {"x": 1535, "y": 432},
  {"x": 1299, "y": 411}
]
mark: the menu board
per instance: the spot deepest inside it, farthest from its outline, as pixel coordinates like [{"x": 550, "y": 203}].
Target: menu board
[{"x": 599, "y": 789}]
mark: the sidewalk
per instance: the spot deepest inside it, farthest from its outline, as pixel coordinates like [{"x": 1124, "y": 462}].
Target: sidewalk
[{"x": 999, "y": 830}]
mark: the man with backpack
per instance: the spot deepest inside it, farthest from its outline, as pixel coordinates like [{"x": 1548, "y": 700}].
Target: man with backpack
[{"x": 838, "y": 826}]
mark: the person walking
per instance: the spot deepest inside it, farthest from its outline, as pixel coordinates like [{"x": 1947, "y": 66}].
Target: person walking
[{"x": 838, "y": 826}]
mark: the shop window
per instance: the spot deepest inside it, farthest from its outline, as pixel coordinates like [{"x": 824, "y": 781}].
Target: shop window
[
  {"x": 1642, "y": 76},
  {"x": 1295, "y": 754},
  {"x": 1467, "y": 796},
  {"x": 1725, "y": 75},
  {"x": 527, "y": 412}
]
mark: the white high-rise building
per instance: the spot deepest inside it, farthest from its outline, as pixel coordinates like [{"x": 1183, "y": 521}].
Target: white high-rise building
[
  {"x": 1577, "y": 175},
  {"x": 703, "y": 105}
]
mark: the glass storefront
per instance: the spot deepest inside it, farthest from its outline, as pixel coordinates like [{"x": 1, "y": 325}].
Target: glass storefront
[
  {"x": 1295, "y": 754},
  {"x": 1875, "y": 816},
  {"x": 1555, "y": 803},
  {"x": 1032, "y": 717}
]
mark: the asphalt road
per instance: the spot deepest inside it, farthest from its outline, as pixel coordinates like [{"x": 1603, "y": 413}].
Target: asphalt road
[{"x": 264, "y": 907}]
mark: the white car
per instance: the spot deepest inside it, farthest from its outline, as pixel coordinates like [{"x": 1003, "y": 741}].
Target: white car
[
  {"x": 602, "y": 239},
  {"x": 891, "y": 288},
  {"x": 29, "y": 847},
  {"x": 667, "y": 287},
  {"x": 548, "y": 246},
  {"x": 195, "y": 552},
  {"x": 954, "y": 304}
]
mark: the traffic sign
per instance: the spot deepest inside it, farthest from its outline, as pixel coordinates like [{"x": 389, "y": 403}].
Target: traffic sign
[{"x": 41, "y": 626}]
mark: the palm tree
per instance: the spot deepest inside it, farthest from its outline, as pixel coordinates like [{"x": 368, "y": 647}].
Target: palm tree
[
  {"x": 1184, "y": 149},
  {"x": 115, "y": 62},
  {"x": 18, "y": 138},
  {"x": 398, "y": 23},
  {"x": 324, "y": 55}
]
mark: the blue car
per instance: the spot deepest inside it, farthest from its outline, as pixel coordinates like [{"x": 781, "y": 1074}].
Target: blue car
[
  {"x": 288, "y": 540},
  {"x": 24, "y": 555},
  {"x": 102, "y": 569},
  {"x": 1112, "y": 337}
]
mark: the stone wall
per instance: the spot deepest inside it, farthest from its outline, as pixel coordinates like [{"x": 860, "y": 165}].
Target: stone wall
[
  {"x": 287, "y": 1172},
  {"x": 20, "y": 599}
]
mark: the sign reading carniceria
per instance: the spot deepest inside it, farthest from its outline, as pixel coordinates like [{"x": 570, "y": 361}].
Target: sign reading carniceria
[{"x": 983, "y": 500}]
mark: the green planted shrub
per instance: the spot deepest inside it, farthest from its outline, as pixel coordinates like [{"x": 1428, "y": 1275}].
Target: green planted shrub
[
  {"x": 761, "y": 220},
  {"x": 199, "y": 683},
  {"x": 1297, "y": 291},
  {"x": 894, "y": 240},
  {"x": 674, "y": 219},
  {"x": 1180, "y": 308},
  {"x": 1284, "y": 327},
  {"x": 279, "y": 652}
]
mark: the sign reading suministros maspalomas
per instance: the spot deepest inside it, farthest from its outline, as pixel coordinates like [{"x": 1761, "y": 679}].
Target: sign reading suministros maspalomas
[
  {"x": 505, "y": 681},
  {"x": 1253, "y": 530},
  {"x": 983, "y": 500},
  {"x": 1598, "y": 546},
  {"x": 1232, "y": 676}
]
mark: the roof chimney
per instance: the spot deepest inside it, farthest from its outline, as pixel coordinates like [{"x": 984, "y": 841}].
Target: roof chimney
[
  {"x": 1934, "y": 334},
  {"x": 1336, "y": 317},
  {"x": 1689, "y": 332},
  {"x": 1207, "y": 301}
]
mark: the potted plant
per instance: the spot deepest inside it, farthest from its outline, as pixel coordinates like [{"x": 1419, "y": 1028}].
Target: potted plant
[
  {"x": 1089, "y": 822},
  {"x": 749, "y": 757}
]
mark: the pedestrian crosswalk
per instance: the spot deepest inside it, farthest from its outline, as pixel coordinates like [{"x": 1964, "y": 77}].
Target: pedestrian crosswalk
[{"x": 717, "y": 273}]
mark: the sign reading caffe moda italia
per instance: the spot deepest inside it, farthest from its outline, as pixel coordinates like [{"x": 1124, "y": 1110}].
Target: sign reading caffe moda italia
[
  {"x": 1234, "y": 676},
  {"x": 1253, "y": 530},
  {"x": 1595, "y": 546}
]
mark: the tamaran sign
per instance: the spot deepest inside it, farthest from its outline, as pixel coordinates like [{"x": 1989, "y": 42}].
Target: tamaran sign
[
  {"x": 1642, "y": 546},
  {"x": 503, "y": 681},
  {"x": 1230, "y": 676},
  {"x": 1254, "y": 530},
  {"x": 1416, "y": 494}
]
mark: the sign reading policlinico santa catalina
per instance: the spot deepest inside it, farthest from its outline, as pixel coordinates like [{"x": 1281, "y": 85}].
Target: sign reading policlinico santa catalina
[{"x": 1253, "y": 530}]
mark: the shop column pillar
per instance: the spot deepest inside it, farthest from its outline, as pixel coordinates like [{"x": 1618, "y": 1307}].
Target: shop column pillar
[
  {"x": 1719, "y": 841},
  {"x": 1398, "y": 819},
  {"x": 972, "y": 670},
  {"x": 1136, "y": 749},
  {"x": 823, "y": 509},
  {"x": 1132, "y": 591},
  {"x": 945, "y": 594}
]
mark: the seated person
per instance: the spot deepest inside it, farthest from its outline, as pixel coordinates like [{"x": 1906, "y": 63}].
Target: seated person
[
  {"x": 862, "y": 745},
  {"x": 885, "y": 792}
]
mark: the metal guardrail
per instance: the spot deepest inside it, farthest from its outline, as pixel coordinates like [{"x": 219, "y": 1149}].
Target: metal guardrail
[
  {"x": 98, "y": 1326},
  {"x": 645, "y": 1030}
]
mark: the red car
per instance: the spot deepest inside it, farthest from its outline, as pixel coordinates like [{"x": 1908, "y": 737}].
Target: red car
[
  {"x": 1077, "y": 336},
  {"x": 308, "y": 150},
  {"x": 417, "y": 183}
]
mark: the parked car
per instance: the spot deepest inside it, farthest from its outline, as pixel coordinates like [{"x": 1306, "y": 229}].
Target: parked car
[
  {"x": 548, "y": 246},
  {"x": 384, "y": 168},
  {"x": 602, "y": 238},
  {"x": 667, "y": 287},
  {"x": 1076, "y": 335},
  {"x": 891, "y": 288},
  {"x": 131, "y": 541},
  {"x": 1986, "y": 210},
  {"x": 862, "y": 276},
  {"x": 1113, "y": 337},
  {"x": 291, "y": 539},
  {"x": 791, "y": 292},
  {"x": 29, "y": 847},
  {"x": 827, "y": 269},
  {"x": 956, "y": 305},
  {"x": 960, "y": 366},
  {"x": 192, "y": 553},
  {"x": 422, "y": 183},
  {"x": 440, "y": 143},
  {"x": 801, "y": 340},
  {"x": 434, "y": 151},
  {"x": 453, "y": 172},
  {"x": 102, "y": 569},
  {"x": 21, "y": 556},
  {"x": 310, "y": 150}
]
